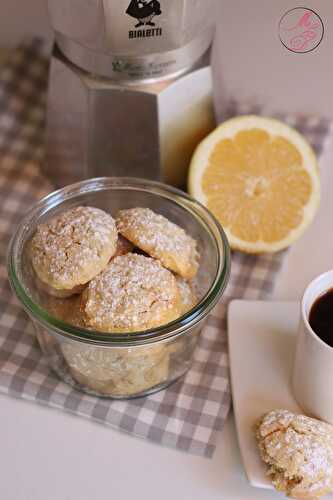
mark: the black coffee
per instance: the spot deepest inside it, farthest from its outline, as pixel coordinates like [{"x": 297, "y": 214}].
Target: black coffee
[{"x": 321, "y": 317}]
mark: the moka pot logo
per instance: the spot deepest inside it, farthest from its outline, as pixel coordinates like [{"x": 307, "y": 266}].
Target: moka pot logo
[{"x": 144, "y": 12}]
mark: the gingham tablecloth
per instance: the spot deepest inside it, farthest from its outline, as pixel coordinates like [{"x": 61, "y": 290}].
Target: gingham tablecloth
[{"x": 188, "y": 414}]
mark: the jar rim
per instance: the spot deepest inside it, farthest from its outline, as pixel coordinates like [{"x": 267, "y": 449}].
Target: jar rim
[{"x": 88, "y": 336}]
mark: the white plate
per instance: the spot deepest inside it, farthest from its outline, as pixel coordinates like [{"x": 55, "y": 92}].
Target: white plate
[{"x": 261, "y": 345}]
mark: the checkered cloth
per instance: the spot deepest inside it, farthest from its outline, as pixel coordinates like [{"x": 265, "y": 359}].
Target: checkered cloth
[{"x": 187, "y": 415}]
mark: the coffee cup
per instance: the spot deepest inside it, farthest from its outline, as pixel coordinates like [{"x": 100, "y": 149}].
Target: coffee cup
[{"x": 312, "y": 377}]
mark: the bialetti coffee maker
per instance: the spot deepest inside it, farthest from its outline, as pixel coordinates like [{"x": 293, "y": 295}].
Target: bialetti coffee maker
[{"x": 130, "y": 90}]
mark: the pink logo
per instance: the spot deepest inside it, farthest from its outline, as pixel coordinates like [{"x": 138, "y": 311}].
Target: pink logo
[{"x": 301, "y": 30}]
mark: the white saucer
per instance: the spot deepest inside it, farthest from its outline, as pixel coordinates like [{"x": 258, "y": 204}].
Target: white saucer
[{"x": 261, "y": 344}]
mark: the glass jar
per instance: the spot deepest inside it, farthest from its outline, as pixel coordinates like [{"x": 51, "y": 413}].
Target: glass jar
[{"x": 129, "y": 364}]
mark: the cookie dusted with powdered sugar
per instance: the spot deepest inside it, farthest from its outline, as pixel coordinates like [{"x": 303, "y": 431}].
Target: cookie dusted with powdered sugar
[
  {"x": 299, "y": 453},
  {"x": 71, "y": 249},
  {"x": 161, "y": 239},
  {"x": 133, "y": 293}
]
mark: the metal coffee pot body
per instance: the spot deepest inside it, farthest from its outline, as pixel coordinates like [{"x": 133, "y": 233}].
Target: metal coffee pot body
[
  {"x": 130, "y": 89},
  {"x": 133, "y": 39}
]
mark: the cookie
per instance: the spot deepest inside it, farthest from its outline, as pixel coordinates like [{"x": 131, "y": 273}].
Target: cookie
[
  {"x": 187, "y": 293},
  {"x": 71, "y": 249},
  {"x": 161, "y": 239},
  {"x": 117, "y": 372},
  {"x": 299, "y": 453},
  {"x": 133, "y": 293}
]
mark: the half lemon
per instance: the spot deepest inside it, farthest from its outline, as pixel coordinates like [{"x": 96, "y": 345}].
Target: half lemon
[{"x": 260, "y": 178}]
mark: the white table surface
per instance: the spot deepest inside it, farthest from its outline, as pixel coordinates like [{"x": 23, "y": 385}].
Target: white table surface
[{"x": 48, "y": 455}]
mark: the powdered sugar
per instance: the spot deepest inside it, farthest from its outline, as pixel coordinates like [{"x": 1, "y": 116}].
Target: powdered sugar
[
  {"x": 160, "y": 238},
  {"x": 73, "y": 247},
  {"x": 299, "y": 451},
  {"x": 133, "y": 293}
]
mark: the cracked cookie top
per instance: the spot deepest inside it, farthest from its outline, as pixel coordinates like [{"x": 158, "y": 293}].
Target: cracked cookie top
[
  {"x": 299, "y": 453},
  {"x": 133, "y": 293},
  {"x": 71, "y": 249},
  {"x": 161, "y": 239}
]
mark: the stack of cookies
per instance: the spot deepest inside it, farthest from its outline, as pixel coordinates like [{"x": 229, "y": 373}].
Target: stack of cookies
[{"x": 127, "y": 275}]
